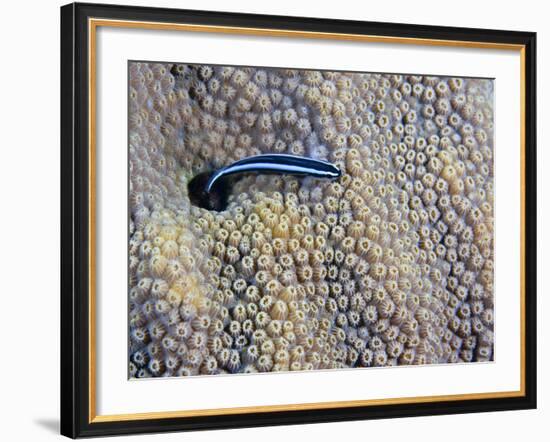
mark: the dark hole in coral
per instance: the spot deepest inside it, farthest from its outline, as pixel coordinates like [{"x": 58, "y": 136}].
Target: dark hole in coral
[
  {"x": 192, "y": 93},
  {"x": 216, "y": 199}
]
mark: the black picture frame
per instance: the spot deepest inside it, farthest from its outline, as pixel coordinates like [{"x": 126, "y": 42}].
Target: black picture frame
[{"x": 76, "y": 418}]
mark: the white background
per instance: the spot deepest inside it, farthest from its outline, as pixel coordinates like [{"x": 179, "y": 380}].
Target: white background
[
  {"x": 29, "y": 189},
  {"x": 115, "y": 395}
]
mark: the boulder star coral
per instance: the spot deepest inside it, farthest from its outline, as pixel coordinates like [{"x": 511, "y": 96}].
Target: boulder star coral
[{"x": 392, "y": 264}]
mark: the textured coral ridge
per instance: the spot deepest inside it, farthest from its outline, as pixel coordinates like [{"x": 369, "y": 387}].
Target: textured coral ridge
[{"x": 390, "y": 265}]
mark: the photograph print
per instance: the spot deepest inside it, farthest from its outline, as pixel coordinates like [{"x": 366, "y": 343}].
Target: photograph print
[{"x": 291, "y": 219}]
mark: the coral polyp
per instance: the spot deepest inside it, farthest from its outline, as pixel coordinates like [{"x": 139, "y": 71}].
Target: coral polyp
[{"x": 390, "y": 264}]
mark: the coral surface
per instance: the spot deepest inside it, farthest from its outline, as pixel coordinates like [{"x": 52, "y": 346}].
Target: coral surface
[{"x": 390, "y": 265}]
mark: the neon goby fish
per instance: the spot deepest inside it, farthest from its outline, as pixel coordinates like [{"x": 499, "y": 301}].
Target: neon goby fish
[{"x": 210, "y": 190}]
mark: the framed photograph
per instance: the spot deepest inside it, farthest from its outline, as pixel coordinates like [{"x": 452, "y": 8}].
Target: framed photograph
[{"x": 274, "y": 220}]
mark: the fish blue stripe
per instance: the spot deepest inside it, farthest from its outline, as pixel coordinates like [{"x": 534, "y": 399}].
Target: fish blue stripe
[{"x": 277, "y": 164}]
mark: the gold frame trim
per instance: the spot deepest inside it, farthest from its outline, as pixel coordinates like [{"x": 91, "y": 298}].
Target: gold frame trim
[{"x": 93, "y": 24}]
